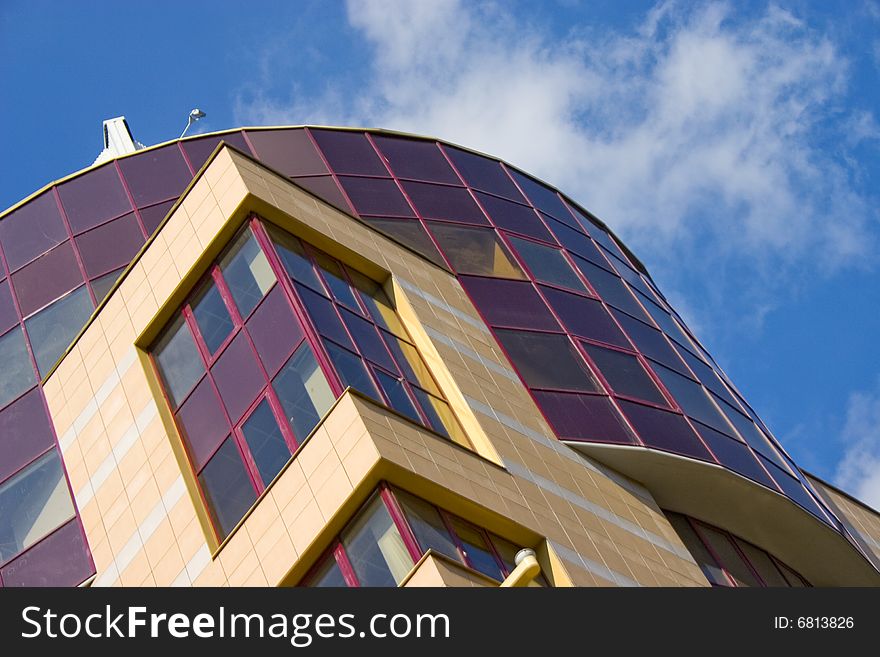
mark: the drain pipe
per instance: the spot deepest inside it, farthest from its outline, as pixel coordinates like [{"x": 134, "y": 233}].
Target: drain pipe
[{"x": 527, "y": 569}]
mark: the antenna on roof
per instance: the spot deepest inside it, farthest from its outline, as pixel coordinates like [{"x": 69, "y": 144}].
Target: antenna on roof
[
  {"x": 117, "y": 140},
  {"x": 194, "y": 116}
]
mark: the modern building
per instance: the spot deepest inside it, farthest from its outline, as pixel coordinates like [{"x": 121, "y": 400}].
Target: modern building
[{"x": 324, "y": 356}]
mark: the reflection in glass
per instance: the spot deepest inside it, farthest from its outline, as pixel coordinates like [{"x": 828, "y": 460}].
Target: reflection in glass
[
  {"x": 375, "y": 548},
  {"x": 329, "y": 575},
  {"x": 247, "y": 273},
  {"x": 304, "y": 392},
  {"x": 18, "y": 373},
  {"x": 178, "y": 360},
  {"x": 267, "y": 445},
  {"x": 227, "y": 488},
  {"x": 350, "y": 368},
  {"x": 211, "y": 315},
  {"x": 547, "y": 264},
  {"x": 52, "y": 329},
  {"x": 475, "y": 251},
  {"x": 625, "y": 374},
  {"x": 427, "y": 525},
  {"x": 476, "y": 550}
]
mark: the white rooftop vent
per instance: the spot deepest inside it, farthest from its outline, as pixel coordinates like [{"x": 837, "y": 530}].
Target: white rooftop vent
[{"x": 117, "y": 140}]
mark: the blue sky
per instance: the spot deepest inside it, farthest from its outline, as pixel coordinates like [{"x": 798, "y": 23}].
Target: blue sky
[{"x": 735, "y": 147}]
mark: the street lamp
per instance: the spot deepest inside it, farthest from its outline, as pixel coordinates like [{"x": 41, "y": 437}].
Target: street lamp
[{"x": 194, "y": 116}]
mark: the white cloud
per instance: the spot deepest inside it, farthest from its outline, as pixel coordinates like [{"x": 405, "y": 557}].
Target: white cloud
[{"x": 859, "y": 471}]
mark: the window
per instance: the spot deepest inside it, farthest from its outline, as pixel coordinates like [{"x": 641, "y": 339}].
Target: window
[
  {"x": 514, "y": 304},
  {"x": 444, "y": 202},
  {"x": 18, "y": 373},
  {"x": 227, "y": 487},
  {"x": 548, "y": 264},
  {"x": 380, "y": 546},
  {"x": 212, "y": 316},
  {"x": 547, "y": 360},
  {"x": 475, "y": 251},
  {"x": 53, "y": 329},
  {"x": 178, "y": 361},
  {"x": 514, "y": 217},
  {"x": 247, "y": 273},
  {"x": 693, "y": 399},
  {"x": 303, "y": 391},
  {"x": 625, "y": 374}
]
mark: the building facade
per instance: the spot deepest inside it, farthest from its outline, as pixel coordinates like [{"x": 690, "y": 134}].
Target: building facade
[{"x": 338, "y": 357}]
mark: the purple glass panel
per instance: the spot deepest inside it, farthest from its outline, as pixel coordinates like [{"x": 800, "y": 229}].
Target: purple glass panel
[
  {"x": 441, "y": 202},
  {"x": 15, "y": 365},
  {"x": 420, "y": 160},
  {"x": 25, "y": 432},
  {"x": 706, "y": 375},
  {"x": 598, "y": 234},
  {"x": 578, "y": 243},
  {"x": 543, "y": 198},
  {"x": 326, "y": 189},
  {"x": 323, "y": 314},
  {"x": 202, "y": 423},
  {"x": 410, "y": 233},
  {"x": 650, "y": 342},
  {"x": 664, "y": 430},
  {"x": 548, "y": 264},
  {"x": 795, "y": 490},
  {"x": 585, "y": 317},
  {"x": 376, "y": 196},
  {"x": 693, "y": 399},
  {"x": 156, "y": 175},
  {"x": 290, "y": 152},
  {"x": 94, "y": 197},
  {"x": 485, "y": 174},
  {"x": 198, "y": 150},
  {"x": 31, "y": 230},
  {"x": 509, "y": 303},
  {"x": 153, "y": 215},
  {"x": 238, "y": 377},
  {"x": 8, "y": 314},
  {"x": 275, "y": 330},
  {"x": 227, "y": 488},
  {"x": 349, "y": 152},
  {"x": 60, "y": 559},
  {"x": 110, "y": 246},
  {"x": 101, "y": 285},
  {"x": 514, "y": 217},
  {"x": 611, "y": 289},
  {"x": 662, "y": 319},
  {"x": 584, "y": 417},
  {"x": 547, "y": 360},
  {"x": 368, "y": 341},
  {"x": 47, "y": 278},
  {"x": 734, "y": 455},
  {"x": 625, "y": 374},
  {"x": 752, "y": 435}
]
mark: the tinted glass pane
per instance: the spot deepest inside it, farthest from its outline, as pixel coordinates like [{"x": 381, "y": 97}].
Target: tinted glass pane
[
  {"x": 409, "y": 232},
  {"x": 304, "y": 392},
  {"x": 8, "y": 314},
  {"x": 476, "y": 550},
  {"x": 610, "y": 288},
  {"x": 93, "y": 198},
  {"x": 178, "y": 361},
  {"x": 238, "y": 377},
  {"x": 18, "y": 373},
  {"x": 794, "y": 580},
  {"x": 326, "y": 189},
  {"x": 268, "y": 448},
  {"x": 59, "y": 560},
  {"x": 376, "y": 196},
  {"x": 650, "y": 342},
  {"x": 753, "y": 436},
  {"x": 410, "y": 363},
  {"x": 706, "y": 375},
  {"x": 692, "y": 399},
  {"x": 46, "y": 278},
  {"x": 421, "y": 160},
  {"x": 509, "y": 303},
  {"x": 695, "y": 546},
  {"x": 475, "y": 251},
  {"x": 212, "y": 316},
  {"x": 198, "y": 150},
  {"x": 290, "y": 152},
  {"x": 102, "y": 285},
  {"x": 378, "y": 304},
  {"x": 154, "y": 215},
  {"x": 31, "y": 230},
  {"x": 427, "y": 525},
  {"x": 727, "y": 555},
  {"x": 323, "y": 314},
  {"x": 368, "y": 341},
  {"x": 227, "y": 488},
  {"x": 396, "y": 393},
  {"x": 441, "y": 202},
  {"x": 275, "y": 330},
  {"x": 583, "y": 417},
  {"x": 440, "y": 417},
  {"x": 599, "y": 234},
  {"x": 247, "y": 273},
  {"x": 328, "y": 575},
  {"x": 547, "y": 264},
  {"x": 543, "y": 198},
  {"x": 483, "y": 173},
  {"x": 667, "y": 431},
  {"x": 625, "y": 374},
  {"x": 25, "y": 432},
  {"x": 585, "y": 317},
  {"x": 546, "y": 360},
  {"x": 578, "y": 243},
  {"x": 296, "y": 262},
  {"x": 734, "y": 455},
  {"x": 202, "y": 423},
  {"x": 762, "y": 563},
  {"x": 349, "y": 152},
  {"x": 155, "y": 175},
  {"x": 375, "y": 548},
  {"x": 515, "y": 217},
  {"x": 336, "y": 281},
  {"x": 33, "y": 503},
  {"x": 53, "y": 329},
  {"x": 110, "y": 246},
  {"x": 351, "y": 370}
]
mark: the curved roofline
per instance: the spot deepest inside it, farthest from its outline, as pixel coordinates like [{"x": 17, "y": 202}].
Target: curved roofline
[{"x": 384, "y": 131}]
